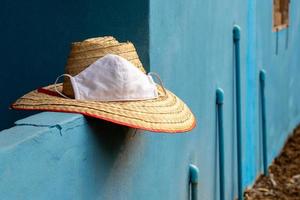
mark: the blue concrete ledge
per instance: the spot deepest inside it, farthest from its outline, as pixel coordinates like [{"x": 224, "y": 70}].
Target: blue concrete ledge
[
  {"x": 70, "y": 157},
  {"x": 31, "y": 128},
  {"x": 41, "y": 157},
  {"x": 58, "y": 156}
]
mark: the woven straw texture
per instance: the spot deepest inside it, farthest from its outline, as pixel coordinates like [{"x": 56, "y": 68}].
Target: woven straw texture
[
  {"x": 164, "y": 114},
  {"x": 167, "y": 113},
  {"x": 87, "y": 52}
]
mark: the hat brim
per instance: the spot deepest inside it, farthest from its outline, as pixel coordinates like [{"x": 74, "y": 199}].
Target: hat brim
[{"x": 167, "y": 113}]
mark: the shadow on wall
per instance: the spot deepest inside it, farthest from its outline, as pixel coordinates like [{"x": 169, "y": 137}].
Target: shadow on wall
[
  {"x": 109, "y": 136},
  {"x": 36, "y": 36},
  {"x": 117, "y": 150}
]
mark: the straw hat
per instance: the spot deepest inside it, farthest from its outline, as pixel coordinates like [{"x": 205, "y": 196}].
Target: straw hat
[{"x": 167, "y": 113}]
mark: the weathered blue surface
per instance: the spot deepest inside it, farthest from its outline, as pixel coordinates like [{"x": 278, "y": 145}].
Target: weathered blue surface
[
  {"x": 66, "y": 156},
  {"x": 282, "y": 85},
  {"x": 191, "y": 48},
  {"x": 251, "y": 96}
]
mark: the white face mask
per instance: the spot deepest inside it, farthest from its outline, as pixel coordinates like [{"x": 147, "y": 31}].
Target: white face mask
[{"x": 112, "y": 78}]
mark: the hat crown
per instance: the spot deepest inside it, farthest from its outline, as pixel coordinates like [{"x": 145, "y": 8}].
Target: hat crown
[{"x": 84, "y": 53}]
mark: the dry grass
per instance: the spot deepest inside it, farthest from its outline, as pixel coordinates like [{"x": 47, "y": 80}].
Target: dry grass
[{"x": 283, "y": 182}]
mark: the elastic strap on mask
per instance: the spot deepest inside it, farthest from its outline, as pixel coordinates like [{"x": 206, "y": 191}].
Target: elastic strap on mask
[
  {"x": 160, "y": 81},
  {"x": 55, "y": 85}
]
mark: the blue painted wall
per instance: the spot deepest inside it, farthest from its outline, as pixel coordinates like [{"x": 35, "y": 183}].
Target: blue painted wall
[
  {"x": 71, "y": 157},
  {"x": 191, "y": 47},
  {"x": 36, "y": 36},
  {"x": 282, "y": 87}
]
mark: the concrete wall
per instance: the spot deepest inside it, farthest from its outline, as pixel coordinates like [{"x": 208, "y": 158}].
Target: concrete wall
[
  {"x": 36, "y": 36},
  {"x": 191, "y": 47},
  {"x": 66, "y": 156},
  {"x": 283, "y": 72}
]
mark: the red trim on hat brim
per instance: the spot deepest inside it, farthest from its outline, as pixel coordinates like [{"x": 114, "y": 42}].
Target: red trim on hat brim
[
  {"x": 111, "y": 120},
  {"x": 49, "y": 92}
]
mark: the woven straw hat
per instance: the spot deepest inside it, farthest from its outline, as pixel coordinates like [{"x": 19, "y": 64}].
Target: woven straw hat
[{"x": 167, "y": 113}]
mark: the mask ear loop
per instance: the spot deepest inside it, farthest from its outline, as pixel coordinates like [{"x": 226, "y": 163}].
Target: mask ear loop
[
  {"x": 160, "y": 81},
  {"x": 55, "y": 85}
]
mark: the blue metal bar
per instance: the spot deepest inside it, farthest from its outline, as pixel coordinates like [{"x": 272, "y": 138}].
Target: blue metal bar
[
  {"x": 236, "y": 39},
  {"x": 194, "y": 176},
  {"x": 262, "y": 78},
  {"x": 219, "y": 102}
]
